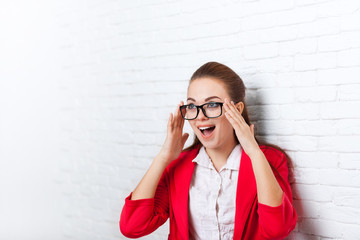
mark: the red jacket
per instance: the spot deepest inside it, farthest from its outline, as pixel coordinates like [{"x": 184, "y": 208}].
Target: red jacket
[{"x": 253, "y": 220}]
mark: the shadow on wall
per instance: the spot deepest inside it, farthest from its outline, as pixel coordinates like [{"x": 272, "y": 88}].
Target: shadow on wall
[{"x": 258, "y": 112}]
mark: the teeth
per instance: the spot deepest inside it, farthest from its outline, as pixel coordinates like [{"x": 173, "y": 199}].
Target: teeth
[{"x": 203, "y": 128}]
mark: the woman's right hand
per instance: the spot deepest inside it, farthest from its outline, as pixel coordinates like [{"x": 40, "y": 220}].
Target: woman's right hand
[
  {"x": 175, "y": 139},
  {"x": 171, "y": 149}
]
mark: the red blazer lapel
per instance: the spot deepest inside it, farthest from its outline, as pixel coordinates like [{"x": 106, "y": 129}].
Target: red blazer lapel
[
  {"x": 180, "y": 191},
  {"x": 245, "y": 194}
]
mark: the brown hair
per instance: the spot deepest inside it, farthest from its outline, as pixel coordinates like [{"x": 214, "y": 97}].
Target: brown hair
[
  {"x": 232, "y": 82},
  {"x": 236, "y": 90}
]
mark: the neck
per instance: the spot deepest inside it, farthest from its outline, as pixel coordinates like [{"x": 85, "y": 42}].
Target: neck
[{"x": 220, "y": 155}]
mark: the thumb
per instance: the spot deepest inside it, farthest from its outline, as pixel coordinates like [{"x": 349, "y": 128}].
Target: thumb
[{"x": 184, "y": 138}]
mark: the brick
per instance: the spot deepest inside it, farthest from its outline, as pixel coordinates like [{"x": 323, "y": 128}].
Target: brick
[
  {"x": 288, "y": 17},
  {"x": 264, "y": 112},
  {"x": 248, "y": 37},
  {"x": 206, "y": 30},
  {"x": 339, "y": 110},
  {"x": 351, "y": 231},
  {"x": 282, "y": 33},
  {"x": 315, "y": 61},
  {"x": 312, "y": 195},
  {"x": 264, "y": 139},
  {"x": 306, "y": 176},
  {"x": 317, "y": 160},
  {"x": 260, "y": 80},
  {"x": 298, "y": 143},
  {"x": 320, "y": 27},
  {"x": 339, "y": 213},
  {"x": 265, "y": 6},
  {"x": 302, "y": 235},
  {"x": 298, "y": 46},
  {"x": 300, "y": 111},
  {"x": 346, "y": 196},
  {"x": 348, "y": 127},
  {"x": 340, "y": 143},
  {"x": 307, "y": 209},
  {"x": 297, "y": 79},
  {"x": 262, "y": 51},
  {"x": 329, "y": 9},
  {"x": 316, "y": 94},
  {"x": 349, "y": 57},
  {"x": 349, "y": 161},
  {"x": 339, "y": 42},
  {"x": 349, "y": 92},
  {"x": 275, "y": 95},
  {"x": 277, "y": 127},
  {"x": 315, "y": 128},
  {"x": 323, "y": 228},
  {"x": 250, "y": 97},
  {"x": 282, "y": 64},
  {"x": 309, "y": 2},
  {"x": 344, "y": 177},
  {"x": 338, "y": 76},
  {"x": 348, "y": 21},
  {"x": 242, "y": 9}
]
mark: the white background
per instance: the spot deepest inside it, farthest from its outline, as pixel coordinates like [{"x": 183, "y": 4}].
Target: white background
[{"x": 86, "y": 88}]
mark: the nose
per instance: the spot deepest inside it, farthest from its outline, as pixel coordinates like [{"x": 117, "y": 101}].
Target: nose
[{"x": 201, "y": 115}]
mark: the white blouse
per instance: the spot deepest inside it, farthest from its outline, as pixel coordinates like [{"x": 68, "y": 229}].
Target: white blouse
[{"x": 212, "y": 197}]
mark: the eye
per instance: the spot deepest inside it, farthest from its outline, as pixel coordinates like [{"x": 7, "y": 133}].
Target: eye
[
  {"x": 191, "y": 106},
  {"x": 213, "y": 105}
]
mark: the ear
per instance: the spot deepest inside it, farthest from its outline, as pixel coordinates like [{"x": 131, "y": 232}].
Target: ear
[{"x": 240, "y": 106}]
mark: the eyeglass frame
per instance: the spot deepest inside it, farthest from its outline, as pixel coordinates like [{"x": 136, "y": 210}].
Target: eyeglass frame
[{"x": 202, "y": 109}]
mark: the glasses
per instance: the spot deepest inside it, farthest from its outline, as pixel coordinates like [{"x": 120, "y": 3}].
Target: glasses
[{"x": 210, "y": 110}]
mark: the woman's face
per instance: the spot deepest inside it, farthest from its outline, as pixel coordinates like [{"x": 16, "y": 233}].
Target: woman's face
[{"x": 220, "y": 133}]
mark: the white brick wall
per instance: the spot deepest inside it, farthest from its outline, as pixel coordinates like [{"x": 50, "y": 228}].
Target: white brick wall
[{"x": 122, "y": 66}]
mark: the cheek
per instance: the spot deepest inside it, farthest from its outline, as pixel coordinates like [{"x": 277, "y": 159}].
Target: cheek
[{"x": 226, "y": 126}]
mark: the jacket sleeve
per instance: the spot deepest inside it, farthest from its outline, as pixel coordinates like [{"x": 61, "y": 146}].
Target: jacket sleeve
[
  {"x": 278, "y": 222},
  {"x": 142, "y": 217}
]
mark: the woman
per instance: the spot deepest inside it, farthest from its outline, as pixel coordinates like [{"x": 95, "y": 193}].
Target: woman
[{"x": 225, "y": 185}]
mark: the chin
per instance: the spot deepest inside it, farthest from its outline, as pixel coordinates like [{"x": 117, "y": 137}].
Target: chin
[{"x": 209, "y": 144}]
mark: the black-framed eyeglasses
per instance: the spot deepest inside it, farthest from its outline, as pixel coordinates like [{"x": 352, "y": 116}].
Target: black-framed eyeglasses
[{"x": 210, "y": 110}]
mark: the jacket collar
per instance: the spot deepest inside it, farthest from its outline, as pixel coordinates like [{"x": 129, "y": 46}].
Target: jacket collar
[
  {"x": 245, "y": 194},
  {"x": 182, "y": 178},
  {"x": 233, "y": 161}
]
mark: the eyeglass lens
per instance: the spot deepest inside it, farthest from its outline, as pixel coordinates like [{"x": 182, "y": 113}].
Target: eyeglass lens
[{"x": 211, "y": 110}]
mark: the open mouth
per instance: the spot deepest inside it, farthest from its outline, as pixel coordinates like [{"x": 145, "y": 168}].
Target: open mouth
[{"x": 207, "y": 131}]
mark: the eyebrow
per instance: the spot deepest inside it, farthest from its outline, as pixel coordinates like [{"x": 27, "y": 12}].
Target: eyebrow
[{"x": 207, "y": 99}]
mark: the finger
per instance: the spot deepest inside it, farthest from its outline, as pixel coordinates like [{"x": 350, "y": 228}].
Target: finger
[
  {"x": 184, "y": 138},
  {"x": 176, "y": 116},
  {"x": 180, "y": 117},
  {"x": 231, "y": 119},
  {"x": 182, "y": 120},
  {"x": 227, "y": 105},
  {"x": 169, "y": 125},
  {"x": 236, "y": 107},
  {"x": 234, "y": 113},
  {"x": 235, "y": 110},
  {"x": 252, "y": 129}
]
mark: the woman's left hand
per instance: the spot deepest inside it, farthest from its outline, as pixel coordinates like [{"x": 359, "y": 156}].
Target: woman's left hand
[{"x": 244, "y": 132}]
